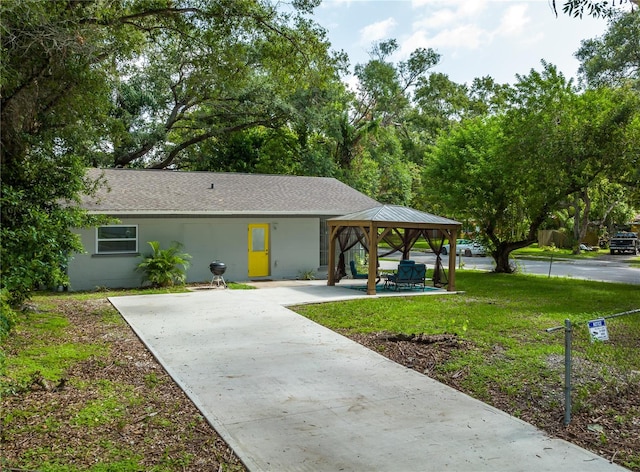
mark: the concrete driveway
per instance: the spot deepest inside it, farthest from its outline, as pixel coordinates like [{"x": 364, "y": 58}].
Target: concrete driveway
[{"x": 288, "y": 394}]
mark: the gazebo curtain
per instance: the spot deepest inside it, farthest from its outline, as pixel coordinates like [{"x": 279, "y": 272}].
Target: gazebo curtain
[
  {"x": 439, "y": 274},
  {"x": 347, "y": 237},
  {"x": 408, "y": 239}
]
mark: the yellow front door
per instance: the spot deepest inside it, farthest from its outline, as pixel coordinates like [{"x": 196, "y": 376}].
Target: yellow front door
[{"x": 258, "y": 250}]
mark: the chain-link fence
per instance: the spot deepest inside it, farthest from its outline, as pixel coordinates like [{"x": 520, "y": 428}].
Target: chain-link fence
[{"x": 602, "y": 368}]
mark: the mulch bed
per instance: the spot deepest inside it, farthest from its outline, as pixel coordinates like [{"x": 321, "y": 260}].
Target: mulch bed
[{"x": 159, "y": 427}]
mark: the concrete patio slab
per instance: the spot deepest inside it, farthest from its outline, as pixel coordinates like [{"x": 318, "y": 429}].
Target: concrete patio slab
[{"x": 288, "y": 394}]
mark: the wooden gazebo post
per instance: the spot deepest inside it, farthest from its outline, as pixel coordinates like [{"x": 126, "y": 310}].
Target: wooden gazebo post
[
  {"x": 373, "y": 258},
  {"x": 331, "y": 276},
  {"x": 453, "y": 236}
]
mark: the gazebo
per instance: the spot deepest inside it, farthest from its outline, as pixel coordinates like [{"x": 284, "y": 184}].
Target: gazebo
[{"x": 398, "y": 226}]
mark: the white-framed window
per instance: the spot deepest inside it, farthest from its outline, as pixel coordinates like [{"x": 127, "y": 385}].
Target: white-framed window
[{"x": 117, "y": 239}]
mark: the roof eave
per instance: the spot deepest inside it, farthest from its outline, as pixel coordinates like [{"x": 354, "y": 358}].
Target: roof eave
[
  {"x": 395, "y": 224},
  {"x": 195, "y": 213}
]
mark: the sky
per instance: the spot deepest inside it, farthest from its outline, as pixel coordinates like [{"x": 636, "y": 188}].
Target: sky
[{"x": 475, "y": 38}]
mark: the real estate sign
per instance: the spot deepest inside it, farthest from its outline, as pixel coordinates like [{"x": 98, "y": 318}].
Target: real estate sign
[{"x": 598, "y": 330}]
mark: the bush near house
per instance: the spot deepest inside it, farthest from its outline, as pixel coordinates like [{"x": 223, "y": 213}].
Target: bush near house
[{"x": 164, "y": 267}]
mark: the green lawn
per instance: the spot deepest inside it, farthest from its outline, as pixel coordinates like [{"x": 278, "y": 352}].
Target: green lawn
[
  {"x": 546, "y": 252},
  {"x": 495, "y": 306}
]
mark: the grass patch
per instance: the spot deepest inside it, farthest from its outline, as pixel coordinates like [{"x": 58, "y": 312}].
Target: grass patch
[
  {"x": 111, "y": 403},
  {"x": 535, "y": 251},
  {"x": 80, "y": 392},
  {"x": 41, "y": 351},
  {"x": 498, "y": 307},
  {"x": 101, "y": 293},
  {"x": 240, "y": 286},
  {"x": 499, "y": 313}
]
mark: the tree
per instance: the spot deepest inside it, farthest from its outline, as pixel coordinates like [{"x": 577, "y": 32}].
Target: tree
[
  {"x": 508, "y": 172},
  {"x": 255, "y": 150},
  {"x": 381, "y": 170},
  {"x": 595, "y": 8},
  {"x": 613, "y": 59},
  {"x": 608, "y": 144},
  {"x": 48, "y": 78},
  {"x": 79, "y": 81},
  {"x": 604, "y": 206},
  {"x": 243, "y": 70},
  {"x": 441, "y": 103},
  {"x": 382, "y": 101}
]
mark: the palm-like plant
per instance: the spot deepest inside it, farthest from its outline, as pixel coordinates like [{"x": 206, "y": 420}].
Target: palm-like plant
[{"x": 164, "y": 267}]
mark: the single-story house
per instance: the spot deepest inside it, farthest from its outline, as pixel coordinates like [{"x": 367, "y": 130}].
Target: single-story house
[{"x": 260, "y": 226}]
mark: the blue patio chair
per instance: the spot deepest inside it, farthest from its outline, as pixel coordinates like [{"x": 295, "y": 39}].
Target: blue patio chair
[
  {"x": 354, "y": 271},
  {"x": 409, "y": 275}
]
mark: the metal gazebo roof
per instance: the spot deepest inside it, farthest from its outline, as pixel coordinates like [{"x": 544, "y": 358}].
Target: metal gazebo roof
[{"x": 394, "y": 215}]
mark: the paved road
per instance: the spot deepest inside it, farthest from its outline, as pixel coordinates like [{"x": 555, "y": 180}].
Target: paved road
[{"x": 606, "y": 268}]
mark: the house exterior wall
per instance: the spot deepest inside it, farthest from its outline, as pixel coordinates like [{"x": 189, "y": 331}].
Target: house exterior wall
[{"x": 294, "y": 247}]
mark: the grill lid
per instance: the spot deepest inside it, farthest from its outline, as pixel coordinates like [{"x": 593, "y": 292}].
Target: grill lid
[{"x": 217, "y": 268}]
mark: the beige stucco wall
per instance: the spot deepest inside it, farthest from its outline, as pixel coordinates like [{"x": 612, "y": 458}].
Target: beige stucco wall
[{"x": 294, "y": 248}]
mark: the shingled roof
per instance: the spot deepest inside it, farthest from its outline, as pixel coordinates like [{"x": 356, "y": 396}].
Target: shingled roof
[{"x": 164, "y": 192}]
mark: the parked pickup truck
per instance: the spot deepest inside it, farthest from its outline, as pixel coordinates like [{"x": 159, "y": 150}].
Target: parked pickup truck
[{"x": 624, "y": 242}]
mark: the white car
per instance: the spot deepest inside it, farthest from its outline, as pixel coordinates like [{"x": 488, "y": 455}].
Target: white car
[{"x": 466, "y": 247}]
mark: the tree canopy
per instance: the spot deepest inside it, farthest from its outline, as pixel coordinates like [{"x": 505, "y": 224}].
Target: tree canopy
[
  {"x": 613, "y": 59},
  {"x": 133, "y": 83},
  {"x": 254, "y": 86},
  {"x": 506, "y": 173}
]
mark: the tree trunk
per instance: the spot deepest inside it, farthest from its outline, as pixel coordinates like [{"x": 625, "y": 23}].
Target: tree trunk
[
  {"x": 576, "y": 224},
  {"x": 581, "y": 219},
  {"x": 503, "y": 251},
  {"x": 501, "y": 256},
  {"x": 586, "y": 215}
]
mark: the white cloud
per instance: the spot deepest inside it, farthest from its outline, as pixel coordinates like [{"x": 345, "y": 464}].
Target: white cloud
[
  {"x": 445, "y": 25},
  {"x": 474, "y": 37},
  {"x": 335, "y": 3},
  {"x": 467, "y": 36},
  {"x": 462, "y": 37},
  {"x": 471, "y": 8},
  {"x": 436, "y": 19},
  {"x": 454, "y": 9},
  {"x": 513, "y": 21},
  {"x": 377, "y": 31},
  {"x": 421, "y": 3},
  {"x": 418, "y": 39}
]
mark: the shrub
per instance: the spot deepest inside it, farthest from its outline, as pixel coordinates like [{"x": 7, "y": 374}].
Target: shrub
[
  {"x": 7, "y": 319},
  {"x": 164, "y": 267}
]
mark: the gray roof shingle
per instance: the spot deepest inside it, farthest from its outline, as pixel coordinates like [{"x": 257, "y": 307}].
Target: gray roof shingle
[{"x": 163, "y": 192}]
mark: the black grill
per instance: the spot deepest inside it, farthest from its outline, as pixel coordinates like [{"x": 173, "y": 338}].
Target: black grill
[{"x": 217, "y": 268}]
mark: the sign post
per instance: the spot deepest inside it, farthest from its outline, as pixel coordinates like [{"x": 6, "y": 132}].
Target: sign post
[{"x": 567, "y": 372}]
